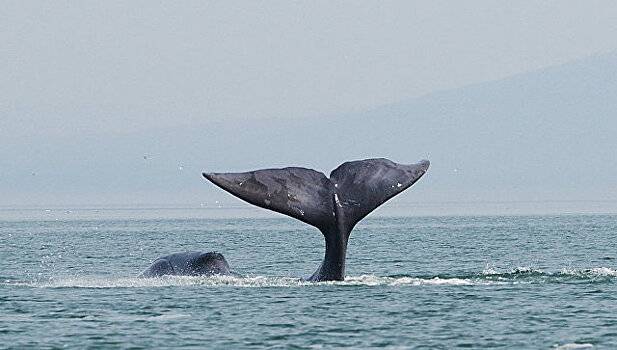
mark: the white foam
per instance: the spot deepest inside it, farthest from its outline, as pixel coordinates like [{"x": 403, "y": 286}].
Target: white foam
[
  {"x": 165, "y": 281},
  {"x": 583, "y": 273},
  {"x": 489, "y": 276},
  {"x": 593, "y": 272},
  {"x": 371, "y": 280},
  {"x": 489, "y": 270},
  {"x": 604, "y": 271},
  {"x": 244, "y": 282}
]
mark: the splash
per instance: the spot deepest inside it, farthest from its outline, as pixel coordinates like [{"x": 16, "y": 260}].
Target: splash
[
  {"x": 517, "y": 271},
  {"x": 370, "y": 280},
  {"x": 539, "y": 275},
  {"x": 489, "y": 276},
  {"x": 243, "y": 282},
  {"x": 594, "y": 272}
]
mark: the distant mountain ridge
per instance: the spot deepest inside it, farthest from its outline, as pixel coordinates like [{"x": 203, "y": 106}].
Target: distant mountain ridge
[{"x": 542, "y": 135}]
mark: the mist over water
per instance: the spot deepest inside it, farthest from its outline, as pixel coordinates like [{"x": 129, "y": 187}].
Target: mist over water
[{"x": 412, "y": 282}]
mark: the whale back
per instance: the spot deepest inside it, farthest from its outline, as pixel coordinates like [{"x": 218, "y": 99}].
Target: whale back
[{"x": 191, "y": 263}]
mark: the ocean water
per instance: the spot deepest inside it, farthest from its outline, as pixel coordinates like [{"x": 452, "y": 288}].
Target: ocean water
[{"x": 67, "y": 280}]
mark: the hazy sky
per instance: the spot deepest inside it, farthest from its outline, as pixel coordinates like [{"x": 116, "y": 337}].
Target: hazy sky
[
  {"x": 69, "y": 67},
  {"x": 88, "y": 88}
]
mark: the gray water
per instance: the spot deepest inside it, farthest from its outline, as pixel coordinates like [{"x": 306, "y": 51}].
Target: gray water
[{"x": 67, "y": 279}]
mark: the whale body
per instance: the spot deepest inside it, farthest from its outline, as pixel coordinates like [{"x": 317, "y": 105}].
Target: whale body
[
  {"x": 189, "y": 264},
  {"x": 333, "y": 205}
]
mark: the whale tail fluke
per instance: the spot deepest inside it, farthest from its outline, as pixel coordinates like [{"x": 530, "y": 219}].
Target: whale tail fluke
[{"x": 333, "y": 205}]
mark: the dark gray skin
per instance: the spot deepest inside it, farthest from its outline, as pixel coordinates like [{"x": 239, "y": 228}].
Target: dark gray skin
[
  {"x": 333, "y": 205},
  {"x": 189, "y": 264}
]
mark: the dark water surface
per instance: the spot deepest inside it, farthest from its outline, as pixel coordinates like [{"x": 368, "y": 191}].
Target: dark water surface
[{"x": 536, "y": 282}]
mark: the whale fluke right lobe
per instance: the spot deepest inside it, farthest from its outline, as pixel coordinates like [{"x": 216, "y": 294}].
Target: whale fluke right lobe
[{"x": 362, "y": 186}]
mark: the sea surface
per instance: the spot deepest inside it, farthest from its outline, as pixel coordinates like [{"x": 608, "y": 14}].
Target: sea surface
[{"x": 68, "y": 280}]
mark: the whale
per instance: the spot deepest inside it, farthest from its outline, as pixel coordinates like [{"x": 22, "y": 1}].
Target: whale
[
  {"x": 333, "y": 205},
  {"x": 190, "y": 263}
]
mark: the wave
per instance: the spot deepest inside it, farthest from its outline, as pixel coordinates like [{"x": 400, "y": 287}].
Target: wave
[
  {"x": 519, "y": 275},
  {"x": 572, "y": 346},
  {"x": 117, "y": 317},
  {"x": 597, "y": 271}
]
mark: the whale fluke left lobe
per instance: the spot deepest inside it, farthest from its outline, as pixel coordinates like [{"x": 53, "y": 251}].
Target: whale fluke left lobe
[{"x": 301, "y": 193}]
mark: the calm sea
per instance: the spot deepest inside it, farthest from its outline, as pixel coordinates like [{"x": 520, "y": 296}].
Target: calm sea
[{"x": 67, "y": 280}]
